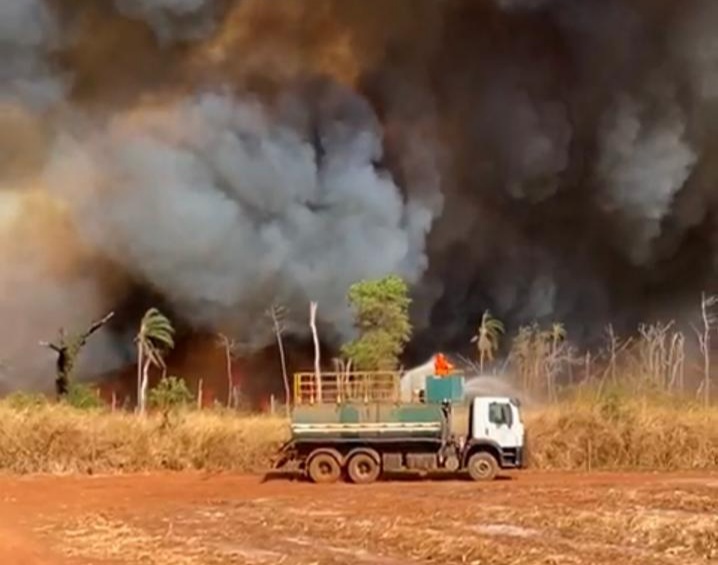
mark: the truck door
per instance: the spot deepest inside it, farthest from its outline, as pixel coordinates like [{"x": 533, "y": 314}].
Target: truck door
[{"x": 498, "y": 421}]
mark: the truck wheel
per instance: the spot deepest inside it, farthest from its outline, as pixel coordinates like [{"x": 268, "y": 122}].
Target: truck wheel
[
  {"x": 483, "y": 467},
  {"x": 323, "y": 468},
  {"x": 363, "y": 469}
]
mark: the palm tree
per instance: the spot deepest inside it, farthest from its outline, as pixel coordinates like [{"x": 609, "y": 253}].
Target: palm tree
[
  {"x": 487, "y": 337},
  {"x": 155, "y": 337},
  {"x": 277, "y": 313}
]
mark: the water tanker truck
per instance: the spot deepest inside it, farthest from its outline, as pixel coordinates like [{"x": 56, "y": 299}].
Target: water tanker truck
[{"x": 358, "y": 426}]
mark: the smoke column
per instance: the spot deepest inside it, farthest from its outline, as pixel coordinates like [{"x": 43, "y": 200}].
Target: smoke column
[{"x": 546, "y": 159}]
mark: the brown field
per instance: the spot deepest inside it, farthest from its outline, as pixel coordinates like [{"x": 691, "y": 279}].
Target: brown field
[{"x": 201, "y": 519}]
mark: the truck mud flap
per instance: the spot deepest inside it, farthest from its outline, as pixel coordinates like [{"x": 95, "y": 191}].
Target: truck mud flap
[{"x": 282, "y": 457}]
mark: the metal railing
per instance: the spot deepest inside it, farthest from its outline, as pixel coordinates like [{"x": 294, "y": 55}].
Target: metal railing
[{"x": 337, "y": 388}]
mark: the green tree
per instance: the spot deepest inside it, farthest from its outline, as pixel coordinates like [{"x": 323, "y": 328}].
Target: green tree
[
  {"x": 487, "y": 338},
  {"x": 154, "y": 338},
  {"x": 170, "y": 394},
  {"x": 381, "y": 309}
]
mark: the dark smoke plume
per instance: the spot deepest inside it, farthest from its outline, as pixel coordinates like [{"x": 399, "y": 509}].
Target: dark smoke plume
[{"x": 546, "y": 159}]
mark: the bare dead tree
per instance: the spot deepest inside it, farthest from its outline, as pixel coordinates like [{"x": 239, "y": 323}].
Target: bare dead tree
[
  {"x": 278, "y": 313},
  {"x": 473, "y": 367},
  {"x": 342, "y": 368},
  {"x": 709, "y": 319},
  {"x": 68, "y": 348},
  {"x": 677, "y": 357},
  {"x": 341, "y": 385},
  {"x": 655, "y": 354},
  {"x": 556, "y": 357},
  {"x": 660, "y": 357},
  {"x": 612, "y": 347},
  {"x": 317, "y": 365},
  {"x": 232, "y": 350},
  {"x": 613, "y": 353},
  {"x": 562, "y": 363},
  {"x": 228, "y": 345}
]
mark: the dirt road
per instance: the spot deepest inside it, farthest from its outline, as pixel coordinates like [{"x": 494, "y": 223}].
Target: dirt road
[{"x": 530, "y": 518}]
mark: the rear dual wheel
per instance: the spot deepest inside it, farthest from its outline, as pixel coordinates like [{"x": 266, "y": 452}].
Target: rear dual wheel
[
  {"x": 324, "y": 468},
  {"x": 363, "y": 468}
]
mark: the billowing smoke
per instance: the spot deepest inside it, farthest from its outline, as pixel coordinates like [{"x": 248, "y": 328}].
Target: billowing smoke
[
  {"x": 28, "y": 35},
  {"x": 223, "y": 208},
  {"x": 546, "y": 159},
  {"x": 643, "y": 164}
]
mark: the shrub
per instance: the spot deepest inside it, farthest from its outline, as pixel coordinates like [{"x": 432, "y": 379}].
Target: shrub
[
  {"x": 169, "y": 394},
  {"x": 83, "y": 397},
  {"x": 25, "y": 400}
]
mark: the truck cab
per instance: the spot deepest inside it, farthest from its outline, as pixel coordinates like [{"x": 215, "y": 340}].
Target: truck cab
[{"x": 495, "y": 425}]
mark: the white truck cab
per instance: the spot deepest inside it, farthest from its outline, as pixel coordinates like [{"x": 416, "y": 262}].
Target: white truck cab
[
  {"x": 495, "y": 427},
  {"x": 497, "y": 419}
]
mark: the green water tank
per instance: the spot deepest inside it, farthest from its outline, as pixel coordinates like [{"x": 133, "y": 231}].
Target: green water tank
[{"x": 439, "y": 389}]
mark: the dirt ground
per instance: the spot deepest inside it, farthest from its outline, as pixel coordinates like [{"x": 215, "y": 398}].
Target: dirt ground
[{"x": 186, "y": 519}]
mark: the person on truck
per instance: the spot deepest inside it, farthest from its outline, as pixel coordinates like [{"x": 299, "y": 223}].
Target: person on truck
[{"x": 442, "y": 367}]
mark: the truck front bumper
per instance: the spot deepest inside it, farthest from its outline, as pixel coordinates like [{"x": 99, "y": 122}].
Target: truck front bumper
[
  {"x": 520, "y": 458},
  {"x": 513, "y": 458}
]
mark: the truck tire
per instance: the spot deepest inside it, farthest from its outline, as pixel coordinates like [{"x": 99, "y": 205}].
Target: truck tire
[
  {"x": 323, "y": 468},
  {"x": 363, "y": 469},
  {"x": 483, "y": 467}
]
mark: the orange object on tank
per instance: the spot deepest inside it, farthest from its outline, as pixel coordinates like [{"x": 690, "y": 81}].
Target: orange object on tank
[{"x": 442, "y": 367}]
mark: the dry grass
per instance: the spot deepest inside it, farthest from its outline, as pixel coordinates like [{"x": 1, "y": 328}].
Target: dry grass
[
  {"x": 58, "y": 439},
  {"x": 615, "y": 434},
  {"x": 573, "y": 435}
]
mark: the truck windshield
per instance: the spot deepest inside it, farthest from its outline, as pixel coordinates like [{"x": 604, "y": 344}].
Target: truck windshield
[{"x": 500, "y": 414}]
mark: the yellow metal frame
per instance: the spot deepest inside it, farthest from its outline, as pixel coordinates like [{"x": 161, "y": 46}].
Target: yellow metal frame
[{"x": 336, "y": 388}]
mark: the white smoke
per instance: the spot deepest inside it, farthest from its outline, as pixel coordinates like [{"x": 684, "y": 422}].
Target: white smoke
[
  {"x": 644, "y": 162},
  {"x": 28, "y": 32},
  {"x": 223, "y": 210}
]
